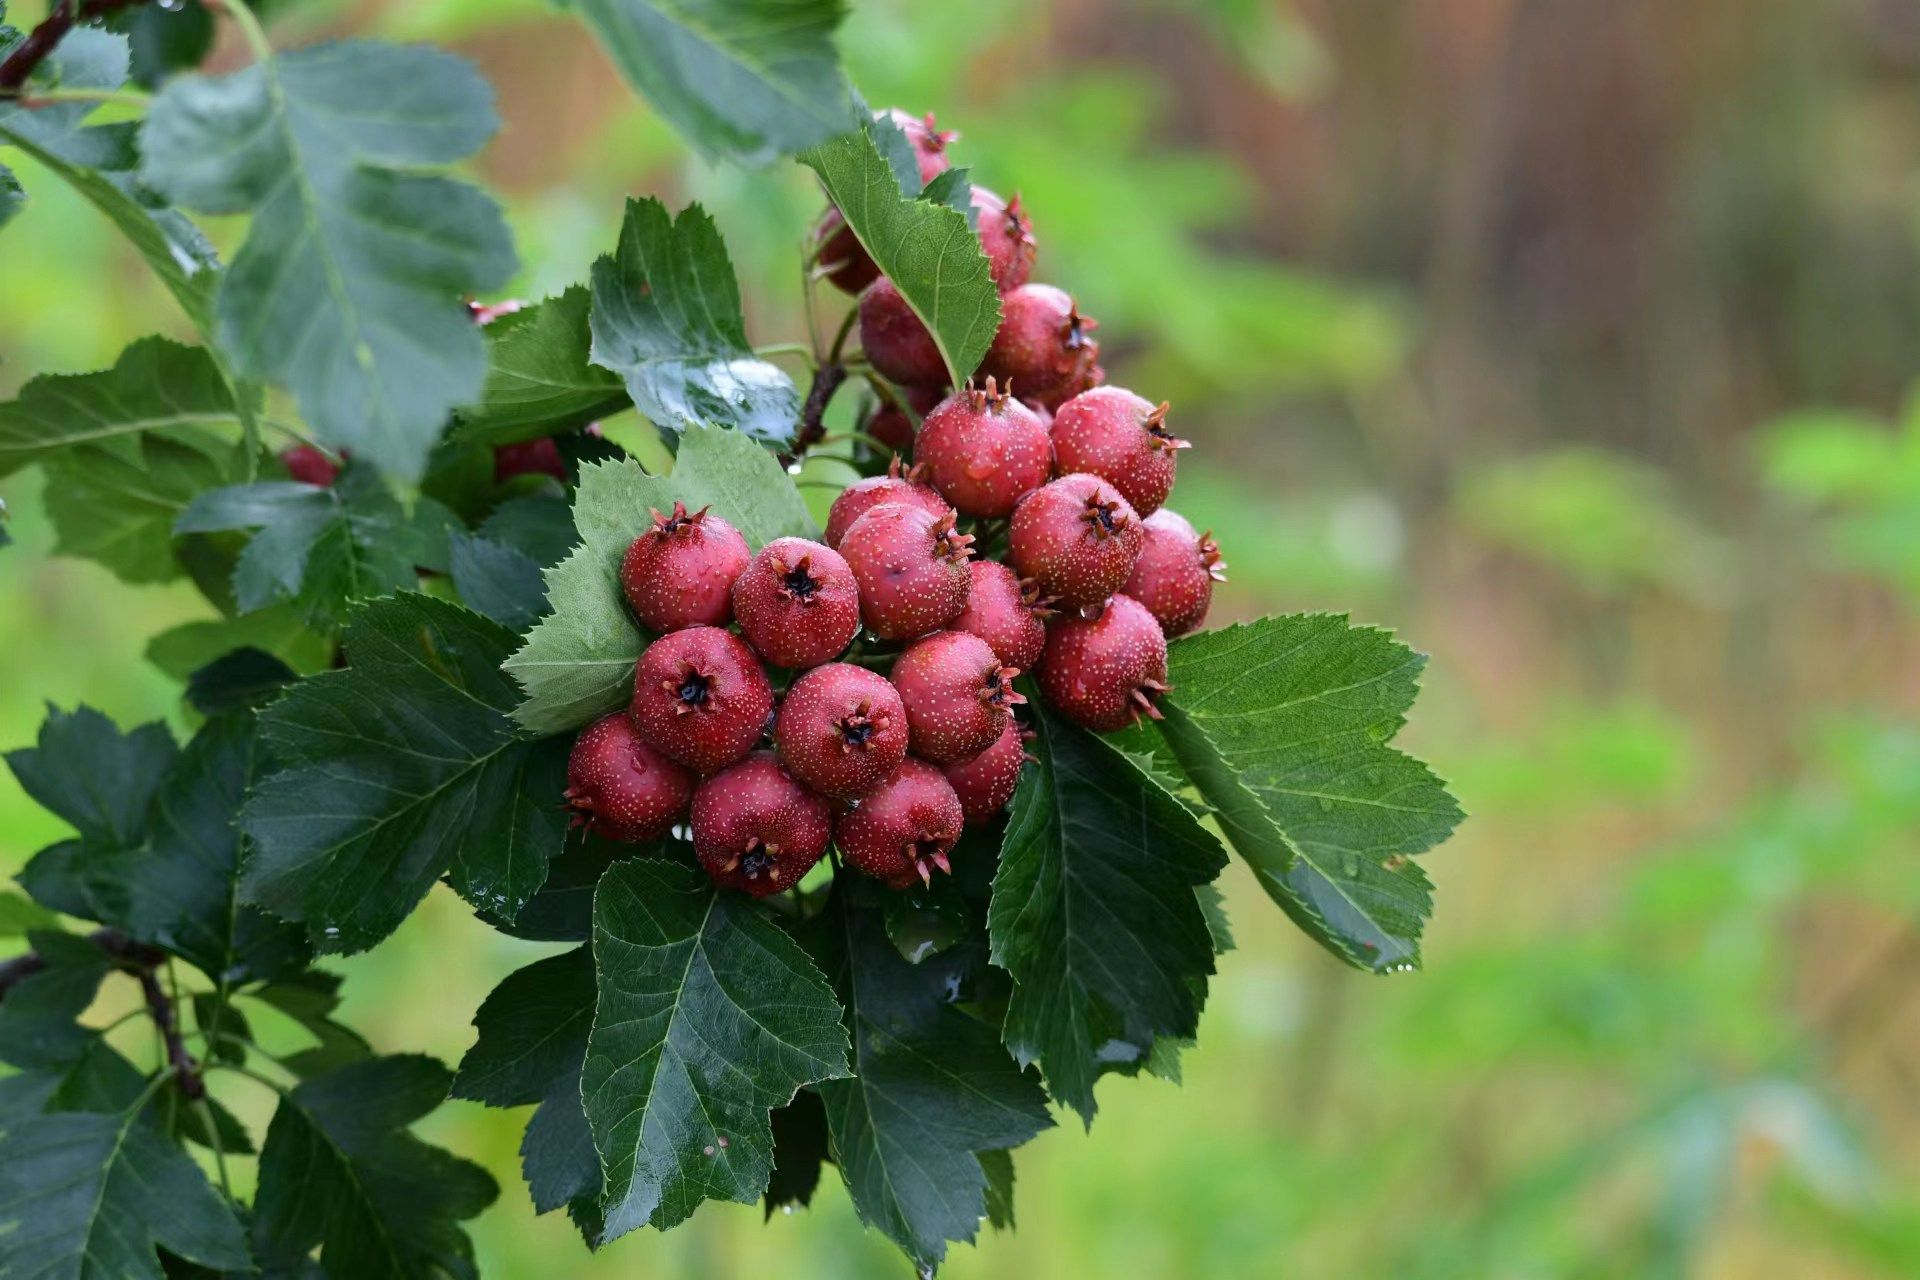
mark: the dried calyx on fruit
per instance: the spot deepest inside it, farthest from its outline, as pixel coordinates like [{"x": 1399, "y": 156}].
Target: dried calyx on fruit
[
  {"x": 756, "y": 829},
  {"x": 1106, "y": 671},
  {"x": 1076, "y": 537},
  {"x": 1045, "y": 349},
  {"x": 1175, "y": 573},
  {"x": 898, "y": 486},
  {"x": 911, "y": 567},
  {"x": 1006, "y": 237},
  {"x": 841, "y": 730},
  {"x": 701, "y": 698},
  {"x": 680, "y": 572},
  {"x": 796, "y": 603},
  {"x": 903, "y": 830},
  {"x": 957, "y": 694},
  {"x": 983, "y": 450}
]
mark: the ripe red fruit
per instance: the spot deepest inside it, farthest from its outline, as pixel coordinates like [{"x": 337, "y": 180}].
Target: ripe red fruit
[
  {"x": 1044, "y": 351},
  {"x": 928, "y": 139},
  {"x": 983, "y": 450},
  {"x": 680, "y": 572},
  {"x": 796, "y": 603},
  {"x": 1006, "y": 234},
  {"x": 1114, "y": 434},
  {"x": 622, "y": 788},
  {"x": 1103, "y": 672},
  {"x": 700, "y": 697},
  {"x": 904, "y": 828},
  {"x": 839, "y": 256},
  {"x": 1175, "y": 573},
  {"x": 310, "y": 466},
  {"x": 895, "y": 429},
  {"x": 841, "y": 730},
  {"x": 1077, "y": 538},
  {"x": 862, "y": 496},
  {"x": 985, "y": 782},
  {"x": 895, "y": 341},
  {"x": 911, "y": 566},
  {"x": 529, "y": 457},
  {"x": 756, "y": 830},
  {"x": 957, "y": 694},
  {"x": 1007, "y": 613}
]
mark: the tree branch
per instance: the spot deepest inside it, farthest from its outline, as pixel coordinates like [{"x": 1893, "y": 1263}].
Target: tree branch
[
  {"x": 45, "y": 38},
  {"x": 827, "y": 379}
]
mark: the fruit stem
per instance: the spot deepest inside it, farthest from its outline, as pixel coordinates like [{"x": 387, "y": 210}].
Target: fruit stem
[{"x": 256, "y": 35}]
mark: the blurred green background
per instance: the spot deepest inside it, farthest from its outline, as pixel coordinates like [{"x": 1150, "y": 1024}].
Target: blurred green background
[{"x": 1570, "y": 338}]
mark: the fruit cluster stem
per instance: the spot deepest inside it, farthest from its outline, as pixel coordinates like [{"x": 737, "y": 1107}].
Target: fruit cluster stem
[{"x": 46, "y": 37}]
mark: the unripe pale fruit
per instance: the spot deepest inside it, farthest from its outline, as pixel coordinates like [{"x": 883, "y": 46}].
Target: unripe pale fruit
[
  {"x": 957, "y": 694},
  {"x": 680, "y": 572},
  {"x": 911, "y": 566},
  {"x": 700, "y": 697},
  {"x": 1104, "y": 672},
  {"x": 756, "y": 830},
  {"x": 895, "y": 341},
  {"x": 1077, "y": 538},
  {"x": 841, "y": 730},
  {"x": 1007, "y": 613},
  {"x": 1175, "y": 573},
  {"x": 903, "y": 829},
  {"x": 1114, "y": 434},
  {"x": 1044, "y": 351},
  {"x": 862, "y": 496},
  {"x": 622, "y": 788},
  {"x": 984, "y": 451},
  {"x": 986, "y": 782},
  {"x": 796, "y": 603},
  {"x": 1006, "y": 236}
]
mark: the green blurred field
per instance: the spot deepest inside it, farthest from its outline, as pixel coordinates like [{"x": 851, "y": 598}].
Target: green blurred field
[{"x": 1503, "y": 325}]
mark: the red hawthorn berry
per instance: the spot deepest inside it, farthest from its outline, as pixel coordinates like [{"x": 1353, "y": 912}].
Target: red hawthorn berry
[
  {"x": 893, "y": 428},
  {"x": 622, "y": 788},
  {"x": 756, "y": 830},
  {"x": 529, "y": 457},
  {"x": 1077, "y": 538},
  {"x": 796, "y": 603},
  {"x": 957, "y": 694},
  {"x": 700, "y": 697},
  {"x": 1175, "y": 573},
  {"x": 985, "y": 782},
  {"x": 1103, "y": 672},
  {"x": 1006, "y": 235},
  {"x": 1116, "y": 435},
  {"x": 680, "y": 572},
  {"x": 310, "y": 466},
  {"x": 839, "y": 256},
  {"x": 896, "y": 342},
  {"x": 1007, "y": 613},
  {"x": 902, "y": 830},
  {"x": 984, "y": 450},
  {"x": 1044, "y": 351},
  {"x": 911, "y": 566},
  {"x": 841, "y": 730},
  {"x": 929, "y": 140},
  {"x": 897, "y": 487}
]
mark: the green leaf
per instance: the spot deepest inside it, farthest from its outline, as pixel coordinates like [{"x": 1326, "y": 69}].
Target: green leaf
[
  {"x": 541, "y": 378},
  {"x": 86, "y": 771},
  {"x": 347, "y": 289},
  {"x": 499, "y": 581},
  {"x": 13, "y": 196},
  {"x": 540, "y": 527},
  {"x": 709, "y": 1016},
  {"x": 118, "y": 505},
  {"x": 339, "y": 1172},
  {"x": 180, "y": 651},
  {"x": 238, "y": 681},
  {"x": 998, "y": 1166},
  {"x": 85, "y": 1196},
  {"x": 165, "y": 39},
  {"x": 800, "y": 1147},
  {"x": 932, "y": 1087},
  {"x": 1283, "y": 725},
  {"x": 925, "y": 247},
  {"x": 154, "y": 385},
  {"x": 310, "y": 999},
  {"x": 1094, "y": 912},
  {"x": 578, "y": 662},
  {"x": 399, "y": 769},
  {"x": 18, "y": 916},
  {"x": 667, "y": 319},
  {"x": 39, "y": 1019},
  {"x": 743, "y": 80}
]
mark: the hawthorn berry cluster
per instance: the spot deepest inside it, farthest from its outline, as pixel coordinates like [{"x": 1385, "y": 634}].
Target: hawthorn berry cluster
[{"x": 1067, "y": 484}]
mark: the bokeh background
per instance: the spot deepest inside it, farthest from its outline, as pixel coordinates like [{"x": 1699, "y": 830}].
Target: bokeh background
[{"x": 1570, "y": 338}]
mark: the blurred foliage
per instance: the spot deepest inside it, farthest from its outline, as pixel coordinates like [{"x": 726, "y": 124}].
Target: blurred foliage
[{"x": 1860, "y": 478}]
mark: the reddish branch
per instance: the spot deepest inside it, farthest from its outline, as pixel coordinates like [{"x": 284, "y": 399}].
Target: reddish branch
[{"x": 46, "y": 37}]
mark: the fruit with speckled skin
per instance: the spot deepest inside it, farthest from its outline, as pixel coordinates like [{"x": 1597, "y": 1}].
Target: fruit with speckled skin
[
  {"x": 1114, "y": 434},
  {"x": 863, "y": 496},
  {"x": 1044, "y": 351},
  {"x": 622, "y": 788},
  {"x": 983, "y": 451},
  {"x": 1175, "y": 573},
  {"x": 680, "y": 572},
  {"x": 841, "y": 730},
  {"x": 985, "y": 782},
  {"x": 911, "y": 566},
  {"x": 310, "y": 466},
  {"x": 957, "y": 694},
  {"x": 528, "y": 458},
  {"x": 796, "y": 603},
  {"x": 893, "y": 428},
  {"x": 700, "y": 697},
  {"x": 904, "y": 828},
  {"x": 1007, "y": 613},
  {"x": 1104, "y": 672},
  {"x": 1076, "y": 537},
  {"x": 1006, "y": 237},
  {"x": 837, "y": 251},
  {"x": 756, "y": 830},
  {"x": 895, "y": 341}
]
